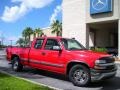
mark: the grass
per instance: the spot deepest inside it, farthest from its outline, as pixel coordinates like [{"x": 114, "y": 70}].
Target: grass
[{"x": 8, "y": 82}]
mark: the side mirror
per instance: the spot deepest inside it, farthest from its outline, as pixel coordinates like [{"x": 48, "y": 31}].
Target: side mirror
[{"x": 57, "y": 48}]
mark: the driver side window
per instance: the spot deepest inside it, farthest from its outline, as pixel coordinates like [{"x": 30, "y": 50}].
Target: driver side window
[{"x": 50, "y": 43}]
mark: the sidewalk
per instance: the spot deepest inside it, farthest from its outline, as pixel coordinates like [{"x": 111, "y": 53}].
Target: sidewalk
[{"x": 2, "y": 53}]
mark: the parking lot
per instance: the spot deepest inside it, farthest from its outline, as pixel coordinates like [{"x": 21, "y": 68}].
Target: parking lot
[{"x": 56, "y": 80}]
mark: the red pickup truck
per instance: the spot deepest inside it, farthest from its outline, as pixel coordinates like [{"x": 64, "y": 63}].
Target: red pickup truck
[{"x": 64, "y": 56}]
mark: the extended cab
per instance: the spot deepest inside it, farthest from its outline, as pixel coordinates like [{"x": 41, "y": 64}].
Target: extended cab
[{"x": 64, "y": 56}]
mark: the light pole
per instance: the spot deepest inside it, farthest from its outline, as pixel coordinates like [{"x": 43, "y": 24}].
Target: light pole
[{"x": 2, "y": 40}]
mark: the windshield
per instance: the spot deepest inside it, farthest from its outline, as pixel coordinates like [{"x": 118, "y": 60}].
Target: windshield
[{"x": 72, "y": 44}]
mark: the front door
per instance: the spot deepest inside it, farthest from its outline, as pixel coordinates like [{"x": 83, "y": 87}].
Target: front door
[{"x": 53, "y": 59}]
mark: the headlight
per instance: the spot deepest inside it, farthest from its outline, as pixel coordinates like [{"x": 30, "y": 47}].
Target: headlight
[{"x": 100, "y": 61}]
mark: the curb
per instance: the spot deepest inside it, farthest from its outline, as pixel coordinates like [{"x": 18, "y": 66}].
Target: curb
[
  {"x": 2, "y": 54},
  {"x": 54, "y": 88}
]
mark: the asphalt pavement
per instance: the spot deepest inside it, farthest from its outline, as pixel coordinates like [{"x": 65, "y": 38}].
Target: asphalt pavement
[{"x": 57, "y": 80}]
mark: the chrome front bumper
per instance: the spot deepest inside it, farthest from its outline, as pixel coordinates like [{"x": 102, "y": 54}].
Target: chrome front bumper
[{"x": 97, "y": 75}]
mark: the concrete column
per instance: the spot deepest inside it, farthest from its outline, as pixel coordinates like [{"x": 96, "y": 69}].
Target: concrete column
[
  {"x": 87, "y": 36},
  {"x": 119, "y": 38}
]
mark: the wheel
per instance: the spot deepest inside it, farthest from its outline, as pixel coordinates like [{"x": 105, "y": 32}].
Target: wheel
[
  {"x": 79, "y": 75},
  {"x": 16, "y": 65}
]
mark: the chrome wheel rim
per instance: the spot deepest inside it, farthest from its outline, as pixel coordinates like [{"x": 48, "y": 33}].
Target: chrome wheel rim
[
  {"x": 15, "y": 66},
  {"x": 80, "y": 76}
]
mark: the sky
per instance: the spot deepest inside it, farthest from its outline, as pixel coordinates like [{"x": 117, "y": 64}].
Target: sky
[{"x": 16, "y": 15}]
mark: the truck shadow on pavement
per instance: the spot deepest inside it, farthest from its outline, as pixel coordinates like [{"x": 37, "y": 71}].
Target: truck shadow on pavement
[
  {"x": 111, "y": 84},
  {"x": 45, "y": 74}
]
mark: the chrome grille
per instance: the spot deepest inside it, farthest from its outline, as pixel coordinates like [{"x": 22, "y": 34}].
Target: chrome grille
[{"x": 108, "y": 59}]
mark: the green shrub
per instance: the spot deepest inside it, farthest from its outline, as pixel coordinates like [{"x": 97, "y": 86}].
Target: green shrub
[{"x": 99, "y": 49}]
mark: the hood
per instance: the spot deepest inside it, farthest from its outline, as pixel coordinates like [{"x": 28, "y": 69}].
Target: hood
[
  {"x": 90, "y": 54},
  {"x": 87, "y": 56}
]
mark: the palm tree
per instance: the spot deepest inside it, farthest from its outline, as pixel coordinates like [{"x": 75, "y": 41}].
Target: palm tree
[
  {"x": 20, "y": 41},
  {"x": 27, "y": 33},
  {"x": 34, "y": 34},
  {"x": 56, "y": 27},
  {"x": 38, "y": 32}
]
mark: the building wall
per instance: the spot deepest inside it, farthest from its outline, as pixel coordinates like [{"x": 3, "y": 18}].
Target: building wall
[
  {"x": 47, "y": 32},
  {"x": 74, "y": 20},
  {"x": 119, "y": 8},
  {"x": 114, "y": 15}
]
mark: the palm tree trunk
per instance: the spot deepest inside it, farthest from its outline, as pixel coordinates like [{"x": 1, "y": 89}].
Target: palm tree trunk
[
  {"x": 58, "y": 34},
  {"x": 29, "y": 39},
  {"x": 34, "y": 36},
  {"x": 25, "y": 40}
]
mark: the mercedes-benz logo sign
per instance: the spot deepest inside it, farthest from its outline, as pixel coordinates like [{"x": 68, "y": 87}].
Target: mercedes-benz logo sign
[{"x": 99, "y": 4}]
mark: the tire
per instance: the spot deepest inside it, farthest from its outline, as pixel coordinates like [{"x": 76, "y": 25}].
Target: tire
[
  {"x": 79, "y": 75},
  {"x": 16, "y": 65}
]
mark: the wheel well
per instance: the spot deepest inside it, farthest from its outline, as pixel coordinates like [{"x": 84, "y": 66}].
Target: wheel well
[
  {"x": 13, "y": 56},
  {"x": 70, "y": 65}
]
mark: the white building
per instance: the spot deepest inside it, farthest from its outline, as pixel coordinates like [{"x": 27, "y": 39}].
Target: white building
[
  {"x": 47, "y": 31},
  {"x": 92, "y": 22}
]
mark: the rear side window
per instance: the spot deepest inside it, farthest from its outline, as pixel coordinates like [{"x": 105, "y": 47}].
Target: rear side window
[{"x": 38, "y": 44}]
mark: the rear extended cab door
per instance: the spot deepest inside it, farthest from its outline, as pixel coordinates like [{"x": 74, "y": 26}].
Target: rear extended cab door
[
  {"x": 35, "y": 54},
  {"x": 24, "y": 55}
]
